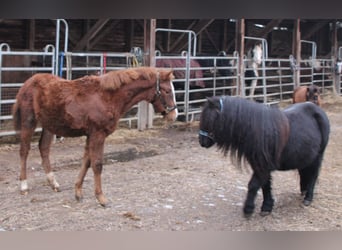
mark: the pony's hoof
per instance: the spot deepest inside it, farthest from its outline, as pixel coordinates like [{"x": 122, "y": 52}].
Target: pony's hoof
[
  {"x": 247, "y": 215},
  {"x": 265, "y": 213},
  {"x": 306, "y": 202},
  {"x": 56, "y": 189}
]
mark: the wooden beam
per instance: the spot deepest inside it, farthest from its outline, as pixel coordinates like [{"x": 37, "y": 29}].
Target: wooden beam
[
  {"x": 103, "y": 33},
  {"x": 198, "y": 28},
  {"x": 314, "y": 29},
  {"x": 181, "y": 38},
  {"x": 32, "y": 34},
  {"x": 211, "y": 40},
  {"x": 265, "y": 31},
  {"x": 90, "y": 34}
]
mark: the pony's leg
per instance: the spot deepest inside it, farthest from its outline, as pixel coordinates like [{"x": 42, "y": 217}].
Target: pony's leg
[
  {"x": 253, "y": 187},
  {"x": 25, "y": 145},
  {"x": 44, "y": 149},
  {"x": 96, "y": 146},
  {"x": 311, "y": 177},
  {"x": 267, "y": 204},
  {"x": 84, "y": 168}
]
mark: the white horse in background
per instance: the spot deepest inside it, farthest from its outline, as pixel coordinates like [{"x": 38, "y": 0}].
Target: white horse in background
[{"x": 254, "y": 59}]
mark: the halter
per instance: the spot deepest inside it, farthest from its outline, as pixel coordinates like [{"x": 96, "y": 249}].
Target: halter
[
  {"x": 158, "y": 95},
  {"x": 207, "y": 134}
]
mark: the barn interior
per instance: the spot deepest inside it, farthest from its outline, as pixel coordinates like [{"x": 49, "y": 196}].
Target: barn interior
[{"x": 294, "y": 52}]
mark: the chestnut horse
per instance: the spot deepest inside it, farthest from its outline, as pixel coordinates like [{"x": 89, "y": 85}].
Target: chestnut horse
[
  {"x": 307, "y": 94},
  {"x": 89, "y": 106}
]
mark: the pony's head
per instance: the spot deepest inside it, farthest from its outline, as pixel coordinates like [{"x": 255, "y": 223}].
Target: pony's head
[
  {"x": 313, "y": 94},
  {"x": 210, "y": 113},
  {"x": 164, "y": 101}
]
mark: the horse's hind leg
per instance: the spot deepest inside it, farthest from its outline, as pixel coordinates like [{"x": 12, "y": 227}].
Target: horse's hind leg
[
  {"x": 267, "y": 204},
  {"x": 44, "y": 148},
  {"x": 25, "y": 145},
  {"x": 310, "y": 175}
]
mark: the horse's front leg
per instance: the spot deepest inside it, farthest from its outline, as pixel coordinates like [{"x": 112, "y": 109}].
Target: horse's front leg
[
  {"x": 267, "y": 204},
  {"x": 253, "y": 187},
  {"x": 44, "y": 149},
  {"x": 84, "y": 168},
  {"x": 96, "y": 146}
]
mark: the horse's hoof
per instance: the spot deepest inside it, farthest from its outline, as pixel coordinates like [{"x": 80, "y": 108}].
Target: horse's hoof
[
  {"x": 306, "y": 202},
  {"x": 56, "y": 189},
  {"x": 102, "y": 200},
  {"x": 24, "y": 192},
  {"x": 265, "y": 213},
  {"x": 247, "y": 215},
  {"x": 79, "y": 198}
]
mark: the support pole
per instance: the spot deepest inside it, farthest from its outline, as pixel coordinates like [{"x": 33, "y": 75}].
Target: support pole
[
  {"x": 240, "y": 48},
  {"x": 145, "y": 110},
  {"x": 296, "y": 51},
  {"x": 334, "y": 55}
]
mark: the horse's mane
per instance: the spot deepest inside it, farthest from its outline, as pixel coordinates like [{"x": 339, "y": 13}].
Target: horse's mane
[
  {"x": 252, "y": 131},
  {"x": 115, "y": 79}
]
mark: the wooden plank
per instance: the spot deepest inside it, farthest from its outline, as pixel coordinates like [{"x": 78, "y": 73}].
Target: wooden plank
[{"x": 90, "y": 34}]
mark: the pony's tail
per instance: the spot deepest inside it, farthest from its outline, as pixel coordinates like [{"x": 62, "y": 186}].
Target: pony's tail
[
  {"x": 16, "y": 113},
  {"x": 324, "y": 127}
]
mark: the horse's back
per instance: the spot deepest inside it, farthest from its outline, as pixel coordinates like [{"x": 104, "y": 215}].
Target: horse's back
[
  {"x": 309, "y": 134},
  {"x": 299, "y": 94}
]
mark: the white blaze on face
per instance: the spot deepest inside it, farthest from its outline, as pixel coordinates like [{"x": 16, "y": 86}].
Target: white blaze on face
[{"x": 174, "y": 97}]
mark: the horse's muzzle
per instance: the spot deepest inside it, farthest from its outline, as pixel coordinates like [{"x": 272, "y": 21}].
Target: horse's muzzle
[
  {"x": 205, "y": 140},
  {"x": 170, "y": 114}
]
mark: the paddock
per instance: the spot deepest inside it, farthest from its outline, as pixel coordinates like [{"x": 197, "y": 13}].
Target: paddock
[{"x": 162, "y": 180}]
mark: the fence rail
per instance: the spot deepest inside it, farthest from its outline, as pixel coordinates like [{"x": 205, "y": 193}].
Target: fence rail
[{"x": 219, "y": 76}]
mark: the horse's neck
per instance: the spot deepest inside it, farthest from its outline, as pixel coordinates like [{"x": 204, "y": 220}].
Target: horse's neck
[{"x": 133, "y": 93}]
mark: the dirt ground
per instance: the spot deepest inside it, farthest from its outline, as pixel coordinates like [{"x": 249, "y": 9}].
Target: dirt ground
[{"x": 162, "y": 180}]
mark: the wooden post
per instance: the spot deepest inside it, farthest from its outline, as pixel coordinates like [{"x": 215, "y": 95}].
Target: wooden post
[
  {"x": 240, "y": 48},
  {"x": 145, "y": 110},
  {"x": 334, "y": 55},
  {"x": 296, "y": 51}
]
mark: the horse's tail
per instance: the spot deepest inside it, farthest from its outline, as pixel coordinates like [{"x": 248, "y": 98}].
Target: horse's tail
[
  {"x": 16, "y": 113},
  {"x": 324, "y": 127}
]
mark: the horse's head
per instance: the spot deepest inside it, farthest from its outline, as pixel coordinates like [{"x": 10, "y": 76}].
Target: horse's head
[
  {"x": 256, "y": 54},
  {"x": 313, "y": 94},
  {"x": 164, "y": 101},
  {"x": 210, "y": 113}
]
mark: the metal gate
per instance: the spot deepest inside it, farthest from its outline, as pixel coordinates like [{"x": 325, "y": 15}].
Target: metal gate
[{"x": 15, "y": 68}]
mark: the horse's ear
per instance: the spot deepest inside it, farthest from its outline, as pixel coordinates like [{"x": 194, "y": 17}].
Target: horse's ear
[
  {"x": 170, "y": 75},
  {"x": 213, "y": 103}
]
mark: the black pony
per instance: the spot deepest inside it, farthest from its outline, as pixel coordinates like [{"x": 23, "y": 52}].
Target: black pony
[{"x": 269, "y": 139}]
